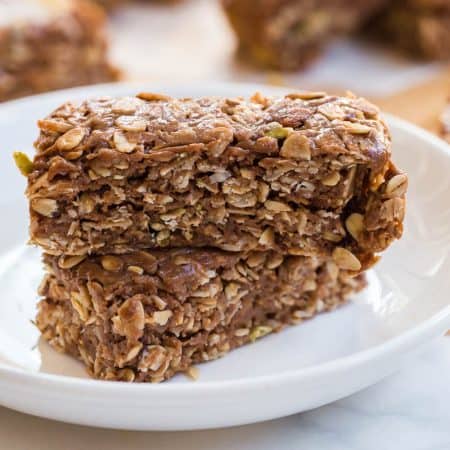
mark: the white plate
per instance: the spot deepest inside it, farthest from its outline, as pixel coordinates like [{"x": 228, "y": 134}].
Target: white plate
[{"x": 334, "y": 355}]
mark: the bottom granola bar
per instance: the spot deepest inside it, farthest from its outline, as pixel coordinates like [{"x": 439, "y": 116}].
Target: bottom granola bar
[{"x": 145, "y": 316}]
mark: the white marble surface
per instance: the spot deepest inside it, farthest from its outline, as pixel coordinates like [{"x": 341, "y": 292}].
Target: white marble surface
[{"x": 408, "y": 411}]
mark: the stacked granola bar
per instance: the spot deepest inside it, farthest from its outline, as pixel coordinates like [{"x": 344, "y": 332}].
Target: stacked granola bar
[
  {"x": 50, "y": 45},
  {"x": 175, "y": 230}
]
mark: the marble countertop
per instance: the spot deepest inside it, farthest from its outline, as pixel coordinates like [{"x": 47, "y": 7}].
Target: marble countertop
[{"x": 407, "y": 411}]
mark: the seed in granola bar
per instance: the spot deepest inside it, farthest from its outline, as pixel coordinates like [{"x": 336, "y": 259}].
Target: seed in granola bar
[
  {"x": 54, "y": 125},
  {"x": 130, "y": 319},
  {"x": 306, "y": 95},
  {"x": 279, "y": 132},
  {"x": 296, "y": 146},
  {"x": 231, "y": 290},
  {"x": 267, "y": 237},
  {"x": 153, "y": 357},
  {"x": 153, "y": 97},
  {"x": 158, "y": 302},
  {"x": 333, "y": 270},
  {"x": 79, "y": 306},
  {"x": 67, "y": 262},
  {"x": 256, "y": 259},
  {"x": 45, "y": 206},
  {"x": 332, "y": 237},
  {"x": 275, "y": 206},
  {"x": 302, "y": 314},
  {"x": 134, "y": 351},
  {"x": 126, "y": 375},
  {"x": 92, "y": 175},
  {"x": 355, "y": 225},
  {"x": 274, "y": 261},
  {"x": 396, "y": 186},
  {"x": 259, "y": 332},
  {"x": 70, "y": 139},
  {"x": 23, "y": 163},
  {"x": 101, "y": 171},
  {"x": 122, "y": 144},
  {"x": 193, "y": 373},
  {"x": 124, "y": 105},
  {"x": 246, "y": 173},
  {"x": 240, "y": 332},
  {"x": 71, "y": 156},
  {"x": 309, "y": 285},
  {"x": 162, "y": 317},
  {"x": 136, "y": 269},
  {"x": 130, "y": 123},
  {"x": 86, "y": 204},
  {"x": 112, "y": 263},
  {"x": 332, "y": 179},
  {"x": 357, "y": 128},
  {"x": 345, "y": 259},
  {"x": 162, "y": 237},
  {"x": 263, "y": 192}
]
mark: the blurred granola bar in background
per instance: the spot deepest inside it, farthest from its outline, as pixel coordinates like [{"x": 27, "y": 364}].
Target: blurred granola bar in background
[
  {"x": 421, "y": 28},
  {"x": 47, "y": 45},
  {"x": 287, "y": 34}
]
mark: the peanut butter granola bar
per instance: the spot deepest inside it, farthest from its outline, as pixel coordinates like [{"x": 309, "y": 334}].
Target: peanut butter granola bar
[
  {"x": 304, "y": 174},
  {"x": 419, "y": 27},
  {"x": 47, "y": 45},
  {"x": 287, "y": 34},
  {"x": 145, "y": 316}
]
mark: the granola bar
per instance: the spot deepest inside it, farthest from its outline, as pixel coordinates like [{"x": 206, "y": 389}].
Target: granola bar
[
  {"x": 305, "y": 174},
  {"x": 287, "y": 34},
  {"x": 419, "y": 27},
  {"x": 145, "y": 316},
  {"x": 50, "y": 45}
]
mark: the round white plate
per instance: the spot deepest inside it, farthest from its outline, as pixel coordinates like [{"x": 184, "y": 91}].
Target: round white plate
[{"x": 405, "y": 306}]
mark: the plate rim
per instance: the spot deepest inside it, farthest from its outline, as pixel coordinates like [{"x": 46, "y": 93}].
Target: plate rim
[{"x": 438, "y": 321}]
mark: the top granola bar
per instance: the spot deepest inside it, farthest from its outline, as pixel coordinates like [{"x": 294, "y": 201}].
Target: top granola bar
[{"x": 306, "y": 174}]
